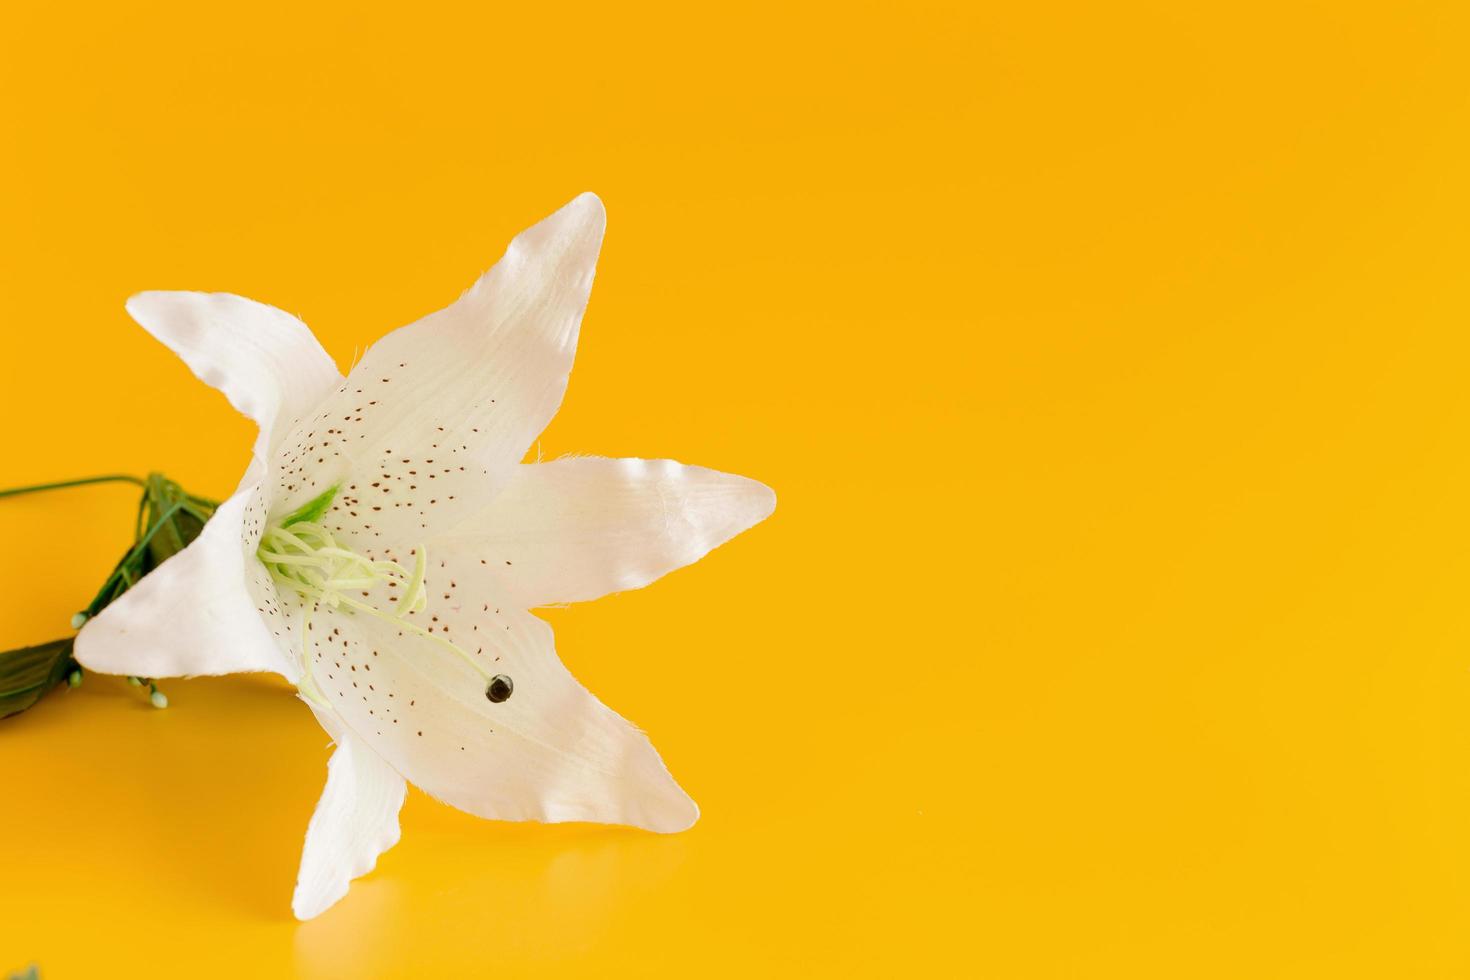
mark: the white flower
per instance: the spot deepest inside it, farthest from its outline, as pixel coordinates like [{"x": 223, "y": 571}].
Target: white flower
[{"x": 385, "y": 544}]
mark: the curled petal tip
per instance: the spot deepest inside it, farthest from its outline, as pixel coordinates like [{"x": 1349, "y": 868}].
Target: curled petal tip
[
  {"x": 667, "y": 808},
  {"x": 584, "y": 212},
  {"x": 589, "y": 203},
  {"x": 148, "y": 305},
  {"x": 747, "y": 503},
  {"x": 306, "y": 908},
  {"x": 762, "y": 501},
  {"x": 680, "y": 819}
]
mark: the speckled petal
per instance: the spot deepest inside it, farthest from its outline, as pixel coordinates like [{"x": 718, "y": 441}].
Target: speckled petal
[
  {"x": 549, "y": 752},
  {"x": 433, "y": 420},
  {"x": 578, "y": 528}
]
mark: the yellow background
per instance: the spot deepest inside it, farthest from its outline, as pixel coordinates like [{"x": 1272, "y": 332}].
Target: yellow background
[{"x": 1109, "y": 361}]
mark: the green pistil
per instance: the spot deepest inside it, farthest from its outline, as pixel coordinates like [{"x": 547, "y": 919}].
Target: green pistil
[
  {"x": 308, "y": 560},
  {"x": 312, "y": 509}
]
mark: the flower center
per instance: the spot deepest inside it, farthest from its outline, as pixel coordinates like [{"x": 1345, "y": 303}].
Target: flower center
[{"x": 305, "y": 557}]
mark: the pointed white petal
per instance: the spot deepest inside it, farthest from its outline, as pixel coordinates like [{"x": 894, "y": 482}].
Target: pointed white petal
[
  {"x": 578, "y": 528},
  {"x": 194, "y": 614},
  {"x": 433, "y": 420},
  {"x": 355, "y": 821},
  {"x": 265, "y": 361},
  {"x": 550, "y": 752}
]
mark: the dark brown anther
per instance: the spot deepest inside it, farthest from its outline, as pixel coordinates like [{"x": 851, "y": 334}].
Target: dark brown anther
[{"x": 500, "y": 688}]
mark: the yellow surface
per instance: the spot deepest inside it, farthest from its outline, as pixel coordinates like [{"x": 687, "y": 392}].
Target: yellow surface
[{"x": 1110, "y": 363}]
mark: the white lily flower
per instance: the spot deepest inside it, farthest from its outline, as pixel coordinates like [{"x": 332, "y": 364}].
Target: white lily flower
[{"x": 386, "y": 542}]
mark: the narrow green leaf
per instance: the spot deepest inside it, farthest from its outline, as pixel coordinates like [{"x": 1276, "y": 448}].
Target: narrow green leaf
[
  {"x": 28, "y": 673},
  {"x": 168, "y": 520}
]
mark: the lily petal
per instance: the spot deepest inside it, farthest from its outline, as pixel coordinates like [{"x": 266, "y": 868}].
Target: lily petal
[
  {"x": 579, "y": 528},
  {"x": 435, "y": 417},
  {"x": 355, "y": 821},
  {"x": 265, "y": 361},
  {"x": 191, "y": 615},
  {"x": 550, "y": 752}
]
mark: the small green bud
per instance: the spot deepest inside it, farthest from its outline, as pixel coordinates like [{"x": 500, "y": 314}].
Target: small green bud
[
  {"x": 74, "y": 679},
  {"x": 78, "y": 620},
  {"x": 158, "y": 699},
  {"x": 135, "y": 681}
]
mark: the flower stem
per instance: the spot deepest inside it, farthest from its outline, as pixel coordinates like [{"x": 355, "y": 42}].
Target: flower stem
[
  {"x": 37, "y": 488},
  {"x": 168, "y": 519}
]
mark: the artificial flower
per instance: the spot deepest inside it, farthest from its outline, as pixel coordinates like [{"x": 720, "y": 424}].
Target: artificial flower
[{"x": 386, "y": 542}]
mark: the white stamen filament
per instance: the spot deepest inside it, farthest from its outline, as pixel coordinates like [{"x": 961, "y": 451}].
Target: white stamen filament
[{"x": 308, "y": 560}]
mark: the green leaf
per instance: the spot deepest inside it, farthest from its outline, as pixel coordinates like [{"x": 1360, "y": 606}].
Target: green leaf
[
  {"x": 28, "y": 673},
  {"x": 168, "y": 520},
  {"x": 174, "y": 518}
]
